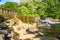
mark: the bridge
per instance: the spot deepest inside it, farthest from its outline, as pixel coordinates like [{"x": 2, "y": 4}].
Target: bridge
[
  {"x": 7, "y": 13},
  {"x": 10, "y": 14}
]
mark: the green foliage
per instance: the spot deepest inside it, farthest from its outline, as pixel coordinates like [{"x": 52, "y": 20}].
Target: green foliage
[
  {"x": 35, "y": 7},
  {"x": 23, "y": 11},
  {"x": 53, "y": 9},
  {"x": 40, "y": 7},
  {"x": 9, "y": 6}
]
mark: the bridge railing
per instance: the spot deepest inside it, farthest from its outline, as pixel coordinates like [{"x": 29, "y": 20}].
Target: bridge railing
[{"x": 9, "y": 12}]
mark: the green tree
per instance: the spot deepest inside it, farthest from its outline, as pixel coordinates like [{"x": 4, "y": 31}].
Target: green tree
[
  {"x": 53, "y": 9},
  {"x": 23, "y": 11},
  {"x": 9, "y": 6},
  {"x": 35, "y": 7}
]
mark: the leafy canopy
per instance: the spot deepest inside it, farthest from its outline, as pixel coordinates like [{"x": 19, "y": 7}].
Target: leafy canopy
[{"x": 9, "y": 6}]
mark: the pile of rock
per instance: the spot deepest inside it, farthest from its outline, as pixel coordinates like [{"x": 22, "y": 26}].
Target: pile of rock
[{"x": 25, "y": 31}]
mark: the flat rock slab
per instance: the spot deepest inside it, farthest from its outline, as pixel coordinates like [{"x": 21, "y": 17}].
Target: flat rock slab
[{"x": 1, "y": 37}]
